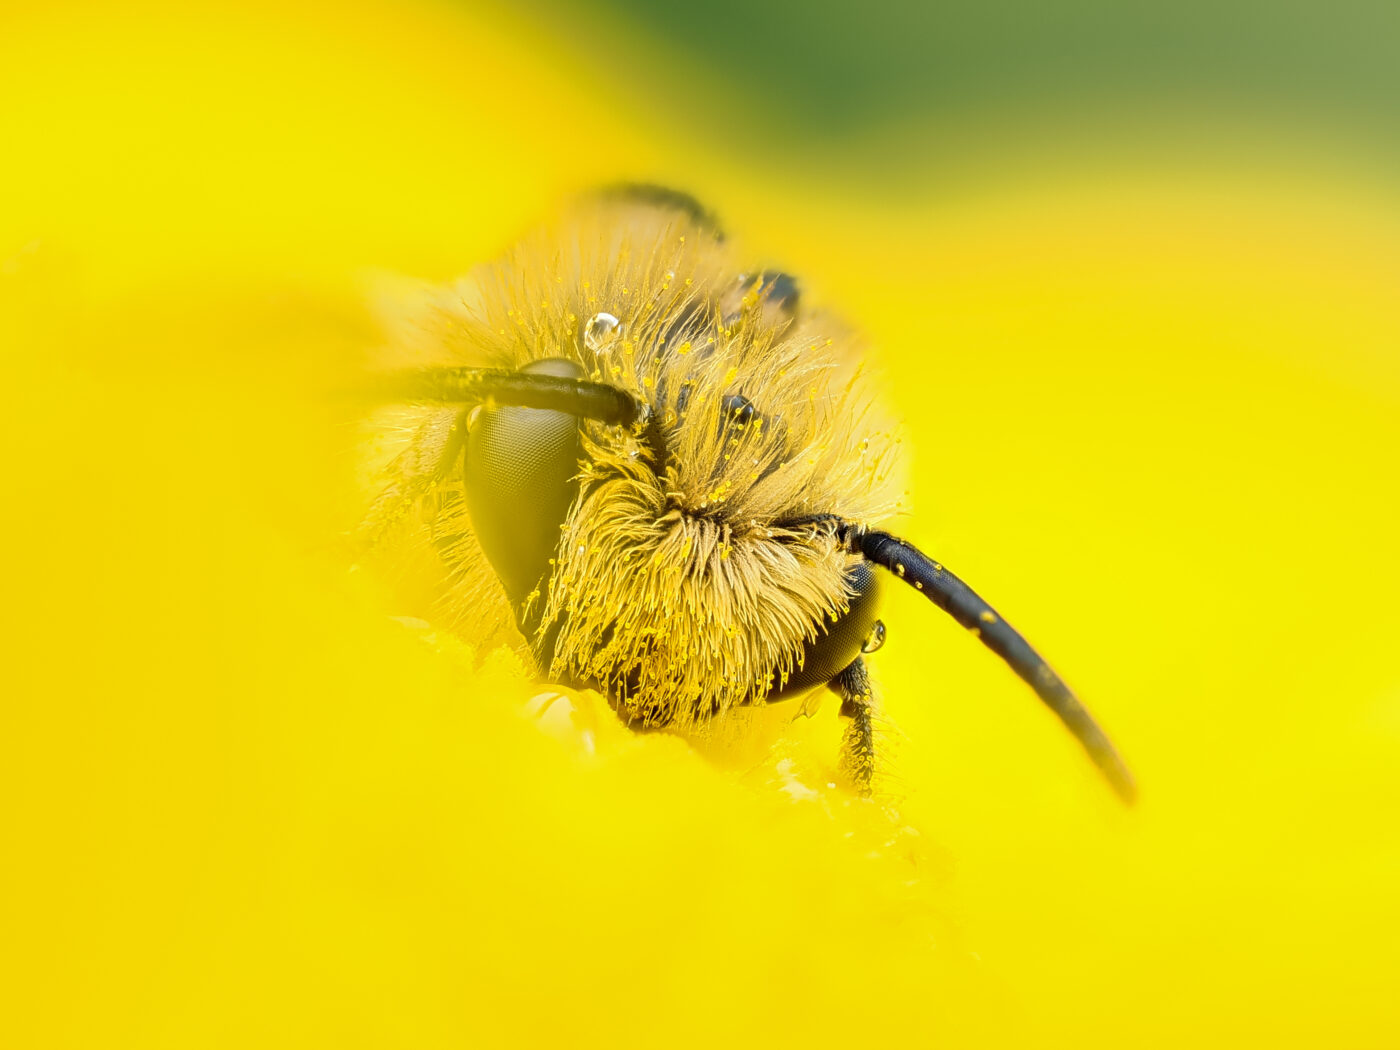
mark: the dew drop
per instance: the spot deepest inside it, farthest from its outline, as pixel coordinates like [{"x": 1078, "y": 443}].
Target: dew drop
[
  {"x": 600, "y": 332},
  {"x": 875, "y": 639}
]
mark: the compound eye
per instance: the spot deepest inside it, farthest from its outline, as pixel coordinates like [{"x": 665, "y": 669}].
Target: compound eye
[
  {"x": 738, "y": 410},
  {"x": 829, "y": 654},
  {"x": 521, "y": 479},
  {"x": 780, "y": 289}
]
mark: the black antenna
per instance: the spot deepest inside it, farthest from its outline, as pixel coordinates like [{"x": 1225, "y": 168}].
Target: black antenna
[
  {"x": 578, "y": 397},
  {"x": 962, "y": 603}
]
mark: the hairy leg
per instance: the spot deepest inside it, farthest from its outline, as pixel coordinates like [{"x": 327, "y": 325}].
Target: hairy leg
[
  {"x": 432, "y": 451},
  {"x": 857, "y": 761}
]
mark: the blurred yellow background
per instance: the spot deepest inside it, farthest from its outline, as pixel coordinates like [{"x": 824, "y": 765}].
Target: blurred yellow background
[{"x": 1150, "y": 370}]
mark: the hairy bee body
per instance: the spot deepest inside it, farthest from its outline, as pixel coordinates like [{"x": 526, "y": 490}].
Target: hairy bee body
[
  {"x": 659, "y": 475},
  {"x": 687, "y": 576}
]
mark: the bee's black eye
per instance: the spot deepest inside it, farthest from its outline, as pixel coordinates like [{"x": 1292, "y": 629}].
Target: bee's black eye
[
  {"x": 521, "y": 479},
  {"x": 831, "y": 653},
  {"x": 781, "y": 290},
  {"x": 738, "y": 410}
]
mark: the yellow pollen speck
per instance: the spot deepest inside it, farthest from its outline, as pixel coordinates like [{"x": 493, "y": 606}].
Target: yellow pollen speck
[{"x": 988, "y": 617}]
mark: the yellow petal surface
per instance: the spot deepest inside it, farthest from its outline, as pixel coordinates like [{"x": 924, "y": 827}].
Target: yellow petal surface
[{"x": 1153, "y": 414}]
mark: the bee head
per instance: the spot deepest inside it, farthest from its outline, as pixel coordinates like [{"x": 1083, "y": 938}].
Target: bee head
[
  {"x": 700, "y": 603},
  {"x": 672, "y": 473}
]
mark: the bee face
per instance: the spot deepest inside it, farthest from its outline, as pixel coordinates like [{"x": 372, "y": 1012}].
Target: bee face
[
  {"x": 677, "y": 564},
  {"x": 666, "y": 476}
]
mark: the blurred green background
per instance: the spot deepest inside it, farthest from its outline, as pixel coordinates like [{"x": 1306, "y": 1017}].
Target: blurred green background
[{"x": 820, "y": 77}]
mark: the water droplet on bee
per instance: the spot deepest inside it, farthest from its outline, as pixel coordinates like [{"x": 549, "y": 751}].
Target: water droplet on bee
[
  {"x": 600, "y": 332},
  {"x": 875, "y": 639}
]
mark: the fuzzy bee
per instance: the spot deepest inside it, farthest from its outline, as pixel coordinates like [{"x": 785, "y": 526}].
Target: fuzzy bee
[{"x": 662, "y": 476}]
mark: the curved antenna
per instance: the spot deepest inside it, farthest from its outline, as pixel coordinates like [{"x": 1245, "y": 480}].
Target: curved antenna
[
  {"x": 578, "y": 397},
  {"x": 963, "y": 604}
]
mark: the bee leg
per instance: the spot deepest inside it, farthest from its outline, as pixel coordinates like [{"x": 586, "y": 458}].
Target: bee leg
[
  {"x": 665, "y": 198},
  {"x": 857, "y": 762},
  {"x": 431, "y": 453}
]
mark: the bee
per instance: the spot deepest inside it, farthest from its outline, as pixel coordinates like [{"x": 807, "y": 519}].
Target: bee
[{"x": 663, "y": 477}]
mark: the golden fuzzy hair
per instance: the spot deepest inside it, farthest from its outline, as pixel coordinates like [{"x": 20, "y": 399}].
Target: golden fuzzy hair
[{"x": 677, "y": 587}]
